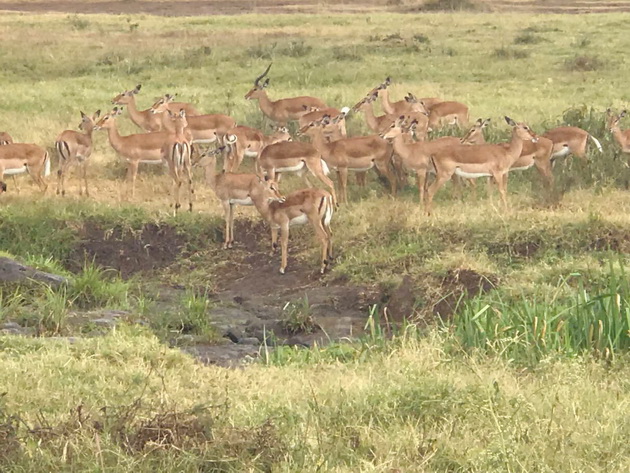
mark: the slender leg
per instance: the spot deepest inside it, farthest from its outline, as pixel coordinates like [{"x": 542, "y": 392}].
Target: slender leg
[
  {"x": 15, "y": 184},
  {"x": 421, "y": 179},
  {"x": 433, "y": 188},
  {"x": 132, "y": 172},
  {"x": 502, "y": 183},
  {"x": 274, "y": 239},
  {"x": 322, "y": 235},
  {"x": 284, "y": 244},
  {"x": 84, "y": 167},
  {"x": 231, "y": 241},
  {"x": 342, "y": 172},
  {"x": 384, "y": 168},
  {"x": 317, "y": 171},
  {"x": 226, "y": 212}
]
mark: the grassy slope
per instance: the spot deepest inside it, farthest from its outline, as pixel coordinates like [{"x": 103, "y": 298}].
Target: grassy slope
[{"x": 416, "y": 404}]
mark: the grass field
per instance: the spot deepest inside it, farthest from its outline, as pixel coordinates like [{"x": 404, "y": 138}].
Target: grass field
[{"x": 530, "y": 374}]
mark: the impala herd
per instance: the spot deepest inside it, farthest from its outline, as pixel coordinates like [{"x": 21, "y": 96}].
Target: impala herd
[{"x": 398, "y": 145}]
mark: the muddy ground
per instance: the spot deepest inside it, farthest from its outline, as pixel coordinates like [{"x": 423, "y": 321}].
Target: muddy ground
[{"x": 230, "y": 7}]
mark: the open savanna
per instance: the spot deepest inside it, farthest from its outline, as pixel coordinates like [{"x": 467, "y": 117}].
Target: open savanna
[{"x": 529, "y": 375}]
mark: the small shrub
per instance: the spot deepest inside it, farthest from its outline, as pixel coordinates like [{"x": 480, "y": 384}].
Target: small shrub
[
  {"x": 510, "y": 53},
  {"x": 583, "y": 64},
  {"x": 345, "y": 54},
  {"x": 527, "y": 38},
  {"x": 421, "y": 38},
  {"x": 92, "y": 288},
  {"x": 582, "y": 42},
  {"x": 298, "y": 317},
  {"x": 78, "y": 23},
  {"x": 448, "y": 5},
  {"x": 194, "y": 317}
]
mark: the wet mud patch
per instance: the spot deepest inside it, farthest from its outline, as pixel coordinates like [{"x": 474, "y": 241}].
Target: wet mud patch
[{"x": 153, "y": 246}]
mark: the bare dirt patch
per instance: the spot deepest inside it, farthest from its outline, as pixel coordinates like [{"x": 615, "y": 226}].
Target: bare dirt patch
[{"x": 459, "y": 284}]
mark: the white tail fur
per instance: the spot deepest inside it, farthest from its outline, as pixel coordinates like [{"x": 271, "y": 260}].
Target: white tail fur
[
  {"x": 325, "y": 167},
  {"x": 345, "y": 110},
  {"x": 597, "y": 143},
  {"x": 230, "y": 139},
  {"x": 47, "y": 165}
]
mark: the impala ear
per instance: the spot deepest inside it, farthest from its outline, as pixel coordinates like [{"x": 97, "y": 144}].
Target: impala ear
[
  {"x": 486, "y": 122},
  {"x": 182, "y": 113},
  {"x": 479, "y": 122},
  {"x": 623, "y": 114},
  {"x": 137, "y": 89},
  {"x": 608, "y": 111},
  {"x": 266, "y": 83},
  {"x": 96, "y": 114},
  {"x": 510, "y": 121},
  {"x": 170, "y": 114},
  {"x": 83, "y": 115}
]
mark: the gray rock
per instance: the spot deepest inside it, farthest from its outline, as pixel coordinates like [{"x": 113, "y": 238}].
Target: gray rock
[
  {"x": 10, "y": 325},
  {"x": 104, "y": 322},
  {"x": 12, "y": 271},
  {"x": 249, "y": 341}
]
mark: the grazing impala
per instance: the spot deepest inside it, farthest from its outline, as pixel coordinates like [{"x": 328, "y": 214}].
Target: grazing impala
[
  {"x": 176, "y": 153},
  {"x": 284, "y": 110},
  {"x": 5, "y": 138},
  {"x": 135, "y": 149},
  {"x": 75, "y": 148},
  {"x": 537, "y": 153},
  {"x": 294, "y": 156},
  {"x": 358, "y": 154},
  {"x": 203, "y": 128},
  {"x": 380, "y": 124},
  {"x": 415, "y": 156},
  {"x": 473, "y": 161},
  {"x": 570, "y": 140},
  {"x": 622, "y": 137},
  {"x": 401, "y": 107},
  {"x": 144, "y": 118},
  {"x": 16, "y": 158},
  {"x": 243, "y": 141}
]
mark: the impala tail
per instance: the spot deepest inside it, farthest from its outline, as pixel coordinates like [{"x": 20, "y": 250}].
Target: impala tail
[
  {"x": 597, "y": 143},
  {"x": 46, "y": 164},
  {"x": 63, "y": 150},
  {"x": 326, "y": 210}
]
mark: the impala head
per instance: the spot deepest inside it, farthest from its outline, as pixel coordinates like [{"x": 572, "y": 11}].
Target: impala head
[
  {"x": 259, "y": 86},
  {"x": 614, "y": 119},
  {"x": 475, "y": 134},
  {"x": 209, "y": 157},
  {"x": 179, "y": 119},
  {"x": 127, "y": 96},
  {"x": 161, "y": 105},
  {"x": 270, "y": 190},
  {"x": 417, "y": 105},
  {"x": 367, "y": 100},
  {"x": 397, "y": 128},
  {"x": 524, "y": 132},
  {"x": 281, "y": 134},
  {"x": 108, "y": 120},
  {"x": 87, "y": 122}
]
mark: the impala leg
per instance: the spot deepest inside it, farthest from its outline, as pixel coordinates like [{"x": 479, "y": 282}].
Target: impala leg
[
  {"x": 284, "y": 244},
  {"x": 433, "y": 188},
  {"x": 84, "y": 167},
  {"x": 385, "y": 169},
  {"x": 421, "y": 179},
  {"x": 15, "y": 183},
  {"x": 177, "y": 184},
  {"x": 324, "y": 238},
  {"x": 502, "y": 183},
  {"x": 227, "y": 213},
  {"x": 318, "y": 172},
  {"x": 361, "y": 178},
  {"x": 191, "y": 189},
  {"x": 544, "y": 168},
  {"x": 343, "y": 183},
  {"x": 274, "y": 240},
  {"x": 132, "y": 172}
]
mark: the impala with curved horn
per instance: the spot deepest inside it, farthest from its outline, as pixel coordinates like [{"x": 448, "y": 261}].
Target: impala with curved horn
[{"x": 284, "y": 110}]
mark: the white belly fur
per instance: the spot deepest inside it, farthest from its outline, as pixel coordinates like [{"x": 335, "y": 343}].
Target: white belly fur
[
  {"x": 291, "y": 168},
  {"x": 12, "y": 172},
  {"x": 361, "y": 169},
  {"x": 246, "y": 201},
  {"x": 151, "y": 161},
  {"x": 471, "y": 175},
  {"x": 250, "y": 154},
  {"x": 300, "y": 220},
  {"x": 522, "y": 168},
  {"x": 205, "y": 140},
  {"x": 562, "y": 153}
]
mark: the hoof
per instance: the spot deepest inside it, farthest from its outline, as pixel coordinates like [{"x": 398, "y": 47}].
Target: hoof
[{"x": 282, "y": 270}]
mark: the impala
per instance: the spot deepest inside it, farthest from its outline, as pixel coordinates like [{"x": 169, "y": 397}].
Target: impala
[
  {"x": 415, "y": 156},
  {"x": 16, "y": 158},
  {"x": 445, "y": 113},
  {"x": 230, "y": 188},
  {"x": 357, "y": 154},
  {"x": 135, "y": 149},
  {"x": 401, "y": 107},
  {"x": 537, "y": 153},
  {"x": 570, "y": 140},
  {"x": 144, "y": 118},
  {"x": 176, "y": 153},
  {"x": 5, "y": 138},
  {"x": 283, "y": 110},
  {"x": 294, "y": 156},
  {"x": 622, "y": 137},
  {"x": 314, "y": 206},
  {"x": 75, "y": 148},
  {"x": 243, "y": 141},
  {"x": 315, "y": 115},
  {"x": 380, "y": 124},
  {"x": 473, "y": 161},
  {"x": 203, "y": 128}
]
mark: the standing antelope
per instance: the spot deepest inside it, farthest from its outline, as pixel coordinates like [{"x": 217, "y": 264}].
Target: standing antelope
[
  {"x": 401, "y": 107},
  {"x": 415, "y": 156},
  {"x": 283, "y": 110},
  {"x": 622, "y": 137},
  {"x": 144, "y": 118},
  {"x": 294, "y": 156},
  {"x": 135, "y": 149},
  {"x": 473, "y": 161},
  {"x": 445, "y": 113},
  {"x": 358, "y": 154},
  {"x": 5, "y": 138},
  {"x": 243, "y": 141},
  {"x": 570, "y": 140},
  {"x": 203, "y": 128},
  {"x": 176, "y": 153},
  {"x": 75, "y": 148},
  {"x": 537, "y": 153},
  {"x": 315, "y": 115},
  {"x": 16, "y": 158},
  {"x": 380, "y": 124}
]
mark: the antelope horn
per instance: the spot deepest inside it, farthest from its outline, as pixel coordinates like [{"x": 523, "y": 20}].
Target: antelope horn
[{"x": 263, "y": 74}]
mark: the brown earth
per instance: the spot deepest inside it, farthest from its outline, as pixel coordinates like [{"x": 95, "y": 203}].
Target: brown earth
[{"x": 229, "y": 7}]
